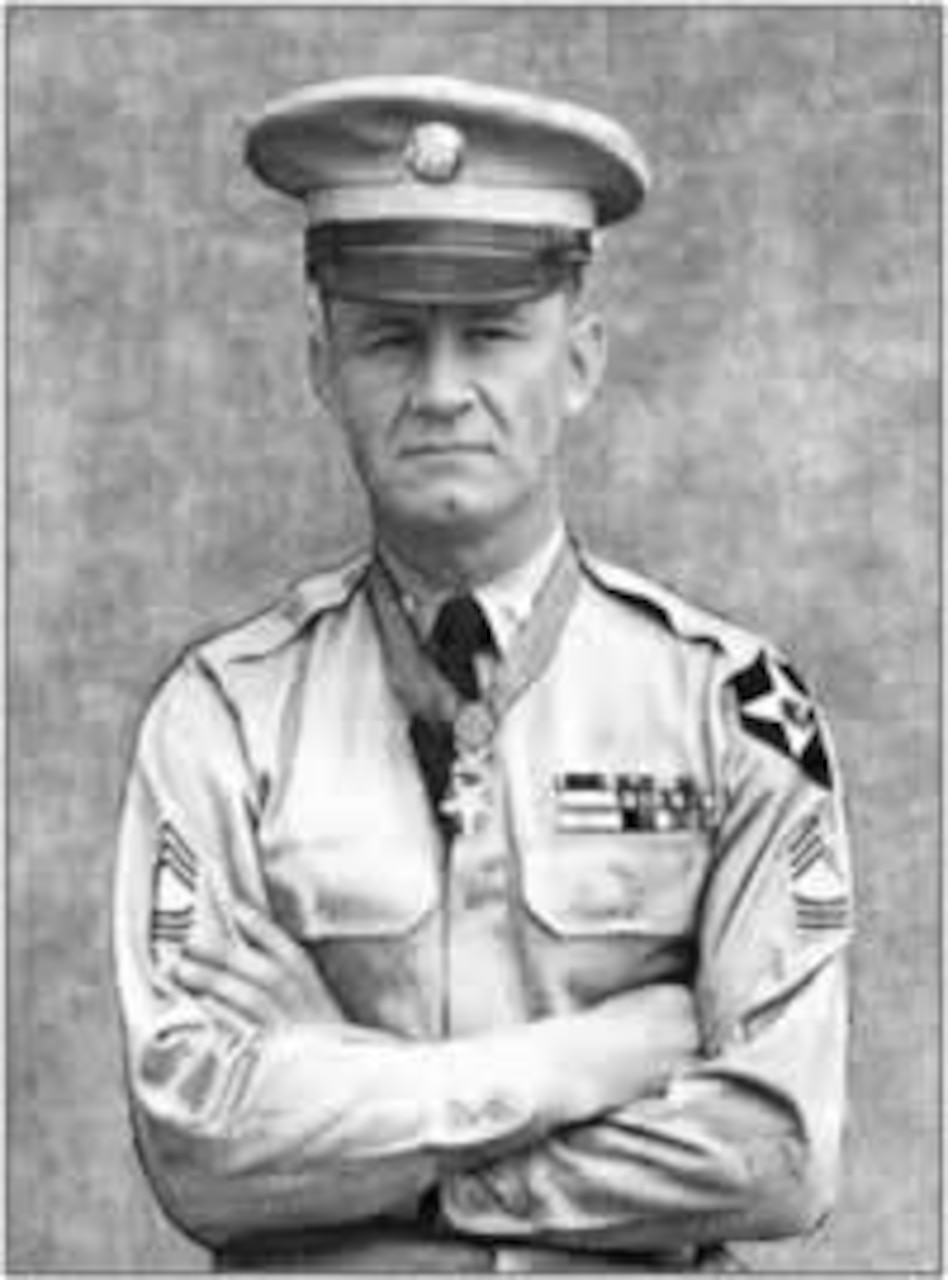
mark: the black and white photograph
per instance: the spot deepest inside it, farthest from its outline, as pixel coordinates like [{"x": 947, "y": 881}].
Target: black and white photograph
[{"x": 473, "y": 667}]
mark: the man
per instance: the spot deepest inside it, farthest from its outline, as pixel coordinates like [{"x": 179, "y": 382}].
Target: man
[{"x": 480, "y": 905}]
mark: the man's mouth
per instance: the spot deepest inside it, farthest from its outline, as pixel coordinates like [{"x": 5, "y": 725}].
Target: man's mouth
[{"x": 445, "y": 449}]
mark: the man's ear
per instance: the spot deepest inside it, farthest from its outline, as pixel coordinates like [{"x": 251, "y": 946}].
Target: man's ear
[
  {"x": 587, "y": 361},
  {"x": 320, "y": 372}
]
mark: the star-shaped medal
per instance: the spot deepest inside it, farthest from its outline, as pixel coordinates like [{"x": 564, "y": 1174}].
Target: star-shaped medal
[
  {"x": 776, "y": 707},
  {"x": 466, "y": 804}
]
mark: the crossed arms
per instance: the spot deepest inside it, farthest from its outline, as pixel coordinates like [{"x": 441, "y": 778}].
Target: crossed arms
[{"x": 657, "y": 1117}]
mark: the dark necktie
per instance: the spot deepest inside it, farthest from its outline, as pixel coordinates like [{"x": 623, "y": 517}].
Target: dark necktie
[{"x": 459, "y": 634}]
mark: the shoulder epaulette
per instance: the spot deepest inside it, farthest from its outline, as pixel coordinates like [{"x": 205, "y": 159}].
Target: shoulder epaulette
[
  {"x": 686, "y": 620},
  {"x": 284, "y": 620}
]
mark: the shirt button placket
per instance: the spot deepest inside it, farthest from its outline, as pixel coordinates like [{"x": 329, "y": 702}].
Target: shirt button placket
[{"x": 476, "y": 906}]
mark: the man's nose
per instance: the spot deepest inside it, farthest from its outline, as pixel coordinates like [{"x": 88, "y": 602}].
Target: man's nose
[{"x": 442, "y": 386}]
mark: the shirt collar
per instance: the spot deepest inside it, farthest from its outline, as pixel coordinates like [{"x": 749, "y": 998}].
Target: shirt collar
[{"x": 506, "y": 600}]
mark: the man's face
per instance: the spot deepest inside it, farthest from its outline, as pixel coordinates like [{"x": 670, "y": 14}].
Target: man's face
[{"x": 454, "y": 413}]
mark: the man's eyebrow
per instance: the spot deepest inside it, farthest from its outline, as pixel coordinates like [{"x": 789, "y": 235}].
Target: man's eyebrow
[
  {"x": 376, "y": 318},
  {"x": 369, "y": 318},
  {"x": 497, "y": 312}
]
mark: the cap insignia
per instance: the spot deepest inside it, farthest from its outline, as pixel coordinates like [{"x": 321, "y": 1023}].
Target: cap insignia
[{"x": 435, "y": 152}]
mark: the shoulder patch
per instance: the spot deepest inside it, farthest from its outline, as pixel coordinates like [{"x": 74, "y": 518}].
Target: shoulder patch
[
  {"x": 774, "y": 704},
  {"x": 284, "y": 620},
  {"x": 775, "y": 707},
  {"x": 685, "y": 619}
]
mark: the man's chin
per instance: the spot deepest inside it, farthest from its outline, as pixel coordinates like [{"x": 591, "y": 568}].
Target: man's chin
[{"x": 452, "y": 516}]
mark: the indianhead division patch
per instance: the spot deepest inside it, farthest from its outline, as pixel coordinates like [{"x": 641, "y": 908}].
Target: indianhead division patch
[
  {"x": 174, "y": 886},
  {"x": 776, "y": 708}
]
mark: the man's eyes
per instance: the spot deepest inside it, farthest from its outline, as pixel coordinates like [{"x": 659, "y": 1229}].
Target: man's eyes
[
  {"x": 476, "y": 334},
  {"x": 388, "y": 339},
  {"x": 493, "y": 332}
]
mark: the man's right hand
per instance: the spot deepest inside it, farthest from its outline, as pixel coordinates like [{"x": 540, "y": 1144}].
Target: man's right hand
[{"x": 269, "y": 979}]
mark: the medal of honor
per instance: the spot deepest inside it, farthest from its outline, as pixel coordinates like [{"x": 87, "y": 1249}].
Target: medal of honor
[
  {"x": 467, "y": 801},
  {"x": 433, "y": 698},
  {"x": 473, "y": 728}
]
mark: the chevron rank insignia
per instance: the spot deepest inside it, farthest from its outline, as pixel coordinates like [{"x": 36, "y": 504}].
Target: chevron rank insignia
[
  {"x": 820, "y": 893},
  {"x": 173, "y": 891},
  {"x": 776, "y": 708}
]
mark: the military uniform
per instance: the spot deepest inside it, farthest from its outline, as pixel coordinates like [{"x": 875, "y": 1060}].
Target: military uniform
[
  {"x": 585, "y": 986},
  {"x": 663, "y": 813}
]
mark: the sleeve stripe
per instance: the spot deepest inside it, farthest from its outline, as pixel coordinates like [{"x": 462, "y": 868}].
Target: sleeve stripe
[
  {"x": 173, "y": 851},
  {"x": 173, "y": 915}
]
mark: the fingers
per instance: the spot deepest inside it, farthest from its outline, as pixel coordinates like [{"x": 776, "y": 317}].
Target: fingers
[
  {"x": 249, "y": 982},
  {"x": 266, "y": 936},
  {"x": 246, "y": 964},
  {"x": 203, "y": 976},
  {"x": 269, "y": 977},
  {"x": 262, "y": 932}
]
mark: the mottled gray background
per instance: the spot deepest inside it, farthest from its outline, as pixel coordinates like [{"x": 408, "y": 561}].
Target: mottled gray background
[{"x": 768, "y": 444}]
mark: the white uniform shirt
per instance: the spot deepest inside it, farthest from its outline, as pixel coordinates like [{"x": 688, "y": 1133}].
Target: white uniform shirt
[{"x": 665, "y": 827}]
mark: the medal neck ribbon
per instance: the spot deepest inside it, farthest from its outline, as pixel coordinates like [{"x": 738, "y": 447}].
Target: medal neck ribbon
[{"x": 425, "y": 692}]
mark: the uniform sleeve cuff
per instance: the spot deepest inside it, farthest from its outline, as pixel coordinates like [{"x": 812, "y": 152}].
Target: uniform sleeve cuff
[{"x": 475, "y": 1100}]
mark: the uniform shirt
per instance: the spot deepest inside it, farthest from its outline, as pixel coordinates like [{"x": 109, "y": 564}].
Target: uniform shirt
[{"x": 665, "y": 844}]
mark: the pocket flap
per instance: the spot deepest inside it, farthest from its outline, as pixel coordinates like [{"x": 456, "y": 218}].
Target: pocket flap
[
  {"x": 616, "y": 883},
  {"x": 337, "y": 889}
]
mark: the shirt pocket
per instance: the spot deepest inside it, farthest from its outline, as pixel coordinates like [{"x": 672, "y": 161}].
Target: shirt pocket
[
  {"x": 600, "y": 885},
  {"x": 329, "y": 888}
]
